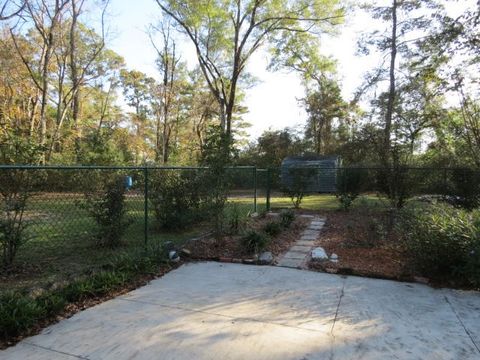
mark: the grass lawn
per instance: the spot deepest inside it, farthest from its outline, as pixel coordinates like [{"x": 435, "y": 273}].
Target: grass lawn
[
  {"x": 315, "y": 202},
  {"x": 61, "y": 241}
]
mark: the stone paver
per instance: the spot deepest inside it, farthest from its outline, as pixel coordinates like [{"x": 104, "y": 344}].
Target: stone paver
[
  {"x": 230, "y": 311},
  {"x": 298, "y": 254}
]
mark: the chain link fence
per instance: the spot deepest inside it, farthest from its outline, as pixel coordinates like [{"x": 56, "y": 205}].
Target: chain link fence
[
  {"x": 458, "y": 186},
  {"x": 59, "y": 222}
]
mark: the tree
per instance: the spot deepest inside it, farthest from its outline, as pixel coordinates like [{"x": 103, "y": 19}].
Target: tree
[
  {"x": 137, "y": 89},
  {"x": 408, "y": 22},
  {"x": 272, "y": 147},
  {"x": 324, "y": 106},
  {"x": 46, "y": 17},
  {"x": 171, "y": 70},
  {"x": 226, "y": 33}
]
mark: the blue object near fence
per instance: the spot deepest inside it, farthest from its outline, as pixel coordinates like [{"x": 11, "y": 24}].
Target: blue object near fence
[{"x": 128, "y": 182}]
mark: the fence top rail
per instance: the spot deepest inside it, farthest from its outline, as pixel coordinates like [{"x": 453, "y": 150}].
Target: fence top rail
[
  {"x": 97, "y": 167},
  {"x": 142, "y": 168}
]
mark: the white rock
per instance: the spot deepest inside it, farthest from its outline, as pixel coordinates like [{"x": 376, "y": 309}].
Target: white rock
[
  {"x": 173, "y": 256},
  {"x": 319, "y": 254},
  {"x": 334, "y": 257}
]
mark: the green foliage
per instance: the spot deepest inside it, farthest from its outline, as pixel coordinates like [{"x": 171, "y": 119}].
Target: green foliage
[
  {"x": 466, "y": 183},
  {"x": 18, "y": 313},
  {"x": 297, "y": 185},
  {"x": 178, "y": 198},
  {"x": 350, "y": 183},
  {"x": 234, "y": 219},
  {"x": 443, "y": 242},
  {"x": 273, "y": 228},
  {"x": 287, "y": 217},
  {"x": 217, "y": 153},
  {"x": 254, "y": 242},
  {"x": 107, "y": 208},
  {"x": 21, "y": 312}
]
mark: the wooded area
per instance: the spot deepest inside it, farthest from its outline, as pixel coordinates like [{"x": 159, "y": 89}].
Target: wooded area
[{"x": 66, "y": 98}]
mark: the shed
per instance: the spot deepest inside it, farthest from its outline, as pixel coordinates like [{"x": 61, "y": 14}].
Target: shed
[{"x": 314, "y": 173}]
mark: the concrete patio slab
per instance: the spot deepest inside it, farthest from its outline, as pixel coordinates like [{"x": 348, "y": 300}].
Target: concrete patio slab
[{"x": 232, "y": 311}]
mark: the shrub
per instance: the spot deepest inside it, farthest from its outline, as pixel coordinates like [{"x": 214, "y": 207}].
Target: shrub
[
  {"x": 297, "y": 184},
  {"x": 349, "y": 185},
  {"x": 107, "y": 207},
  {"x": 443, "y": 242},
  {"x": 286, "y": 218},
  {"x": 272, "y": 228},
  {"x": 15, "y": 191},
  {"x": 254, "y": 242},
  {"x": 466, "y": 187},
  {"x": 177, "y": 198}
]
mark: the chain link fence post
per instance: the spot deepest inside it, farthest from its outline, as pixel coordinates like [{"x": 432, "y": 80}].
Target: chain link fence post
[
  {"x": 255, "y": 189},
  {"x": 268, "y": 190},
  {"x": 145, "y": 205}
]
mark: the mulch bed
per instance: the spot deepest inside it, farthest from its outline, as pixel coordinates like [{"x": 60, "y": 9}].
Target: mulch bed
[
  {"x": 229, "y": 246},
  {"x": 364, "y": 246}
]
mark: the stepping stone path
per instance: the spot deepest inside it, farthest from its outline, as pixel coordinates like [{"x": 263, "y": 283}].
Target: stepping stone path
[{"x": 298, "y": 255}]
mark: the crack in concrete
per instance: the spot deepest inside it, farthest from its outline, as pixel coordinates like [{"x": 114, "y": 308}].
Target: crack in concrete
[
  {"x": 461, "y": 323},
  {"x": 225, "y": 316},
  {"x": 342, "y": 293},
  {"x": 55, "y": 351}
]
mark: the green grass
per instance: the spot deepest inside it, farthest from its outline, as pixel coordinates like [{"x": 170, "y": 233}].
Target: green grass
[
  {"x": 61, "y": 242},
  {"x": 316, "y": 202}
]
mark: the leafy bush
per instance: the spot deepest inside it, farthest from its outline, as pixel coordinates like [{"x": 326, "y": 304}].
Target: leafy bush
[
  {"x": 177, "y": 198},
  {"x": 466, "y": 186},
  {"x": 398, "y": 183},
  {"x": 297, "y": 184},
  {"x": 108, "y": 209},
  {"x": 254, "y": 242},
  {"x": 272, "y": 228},
  {"x": 16, "y": 188},
  {"x": 349, "y": 185},
  {"x": 443, "y": 241},
  {"x": 286, "y": 218}
]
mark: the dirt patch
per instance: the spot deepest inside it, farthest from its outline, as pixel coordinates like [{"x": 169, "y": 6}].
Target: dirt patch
[
  {"x": 229, "y": 246},
  {"x": 366, "y": 245}
]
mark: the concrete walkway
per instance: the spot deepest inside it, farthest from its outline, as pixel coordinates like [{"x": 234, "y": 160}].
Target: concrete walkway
[
  {"x": 299, "y": 253},
  {"x": 232, "y": 311}
]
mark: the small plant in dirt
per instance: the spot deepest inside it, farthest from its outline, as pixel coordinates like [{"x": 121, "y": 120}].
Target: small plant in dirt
[
  {"x": 107, "y": 208},
  {"x": 272, "y": 228},
  {"x": 234, "y": 219},
  {"x": 443, "y": 242},
  {"x": 254, "y": 242},
  {"x": 287, "y": 217},
  {"x": 349, "y": 185},
  {"x": 297, "y": 184}
]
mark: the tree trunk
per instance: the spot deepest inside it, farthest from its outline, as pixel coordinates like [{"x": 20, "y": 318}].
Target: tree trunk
[{"x": 392, "y": 89}]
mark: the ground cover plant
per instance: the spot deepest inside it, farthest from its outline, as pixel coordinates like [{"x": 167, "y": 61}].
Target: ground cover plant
[
  {"x": 23, "y": 313},
  {"x": 443, "y": 242},
  {"x": 254, "y": 238}
]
